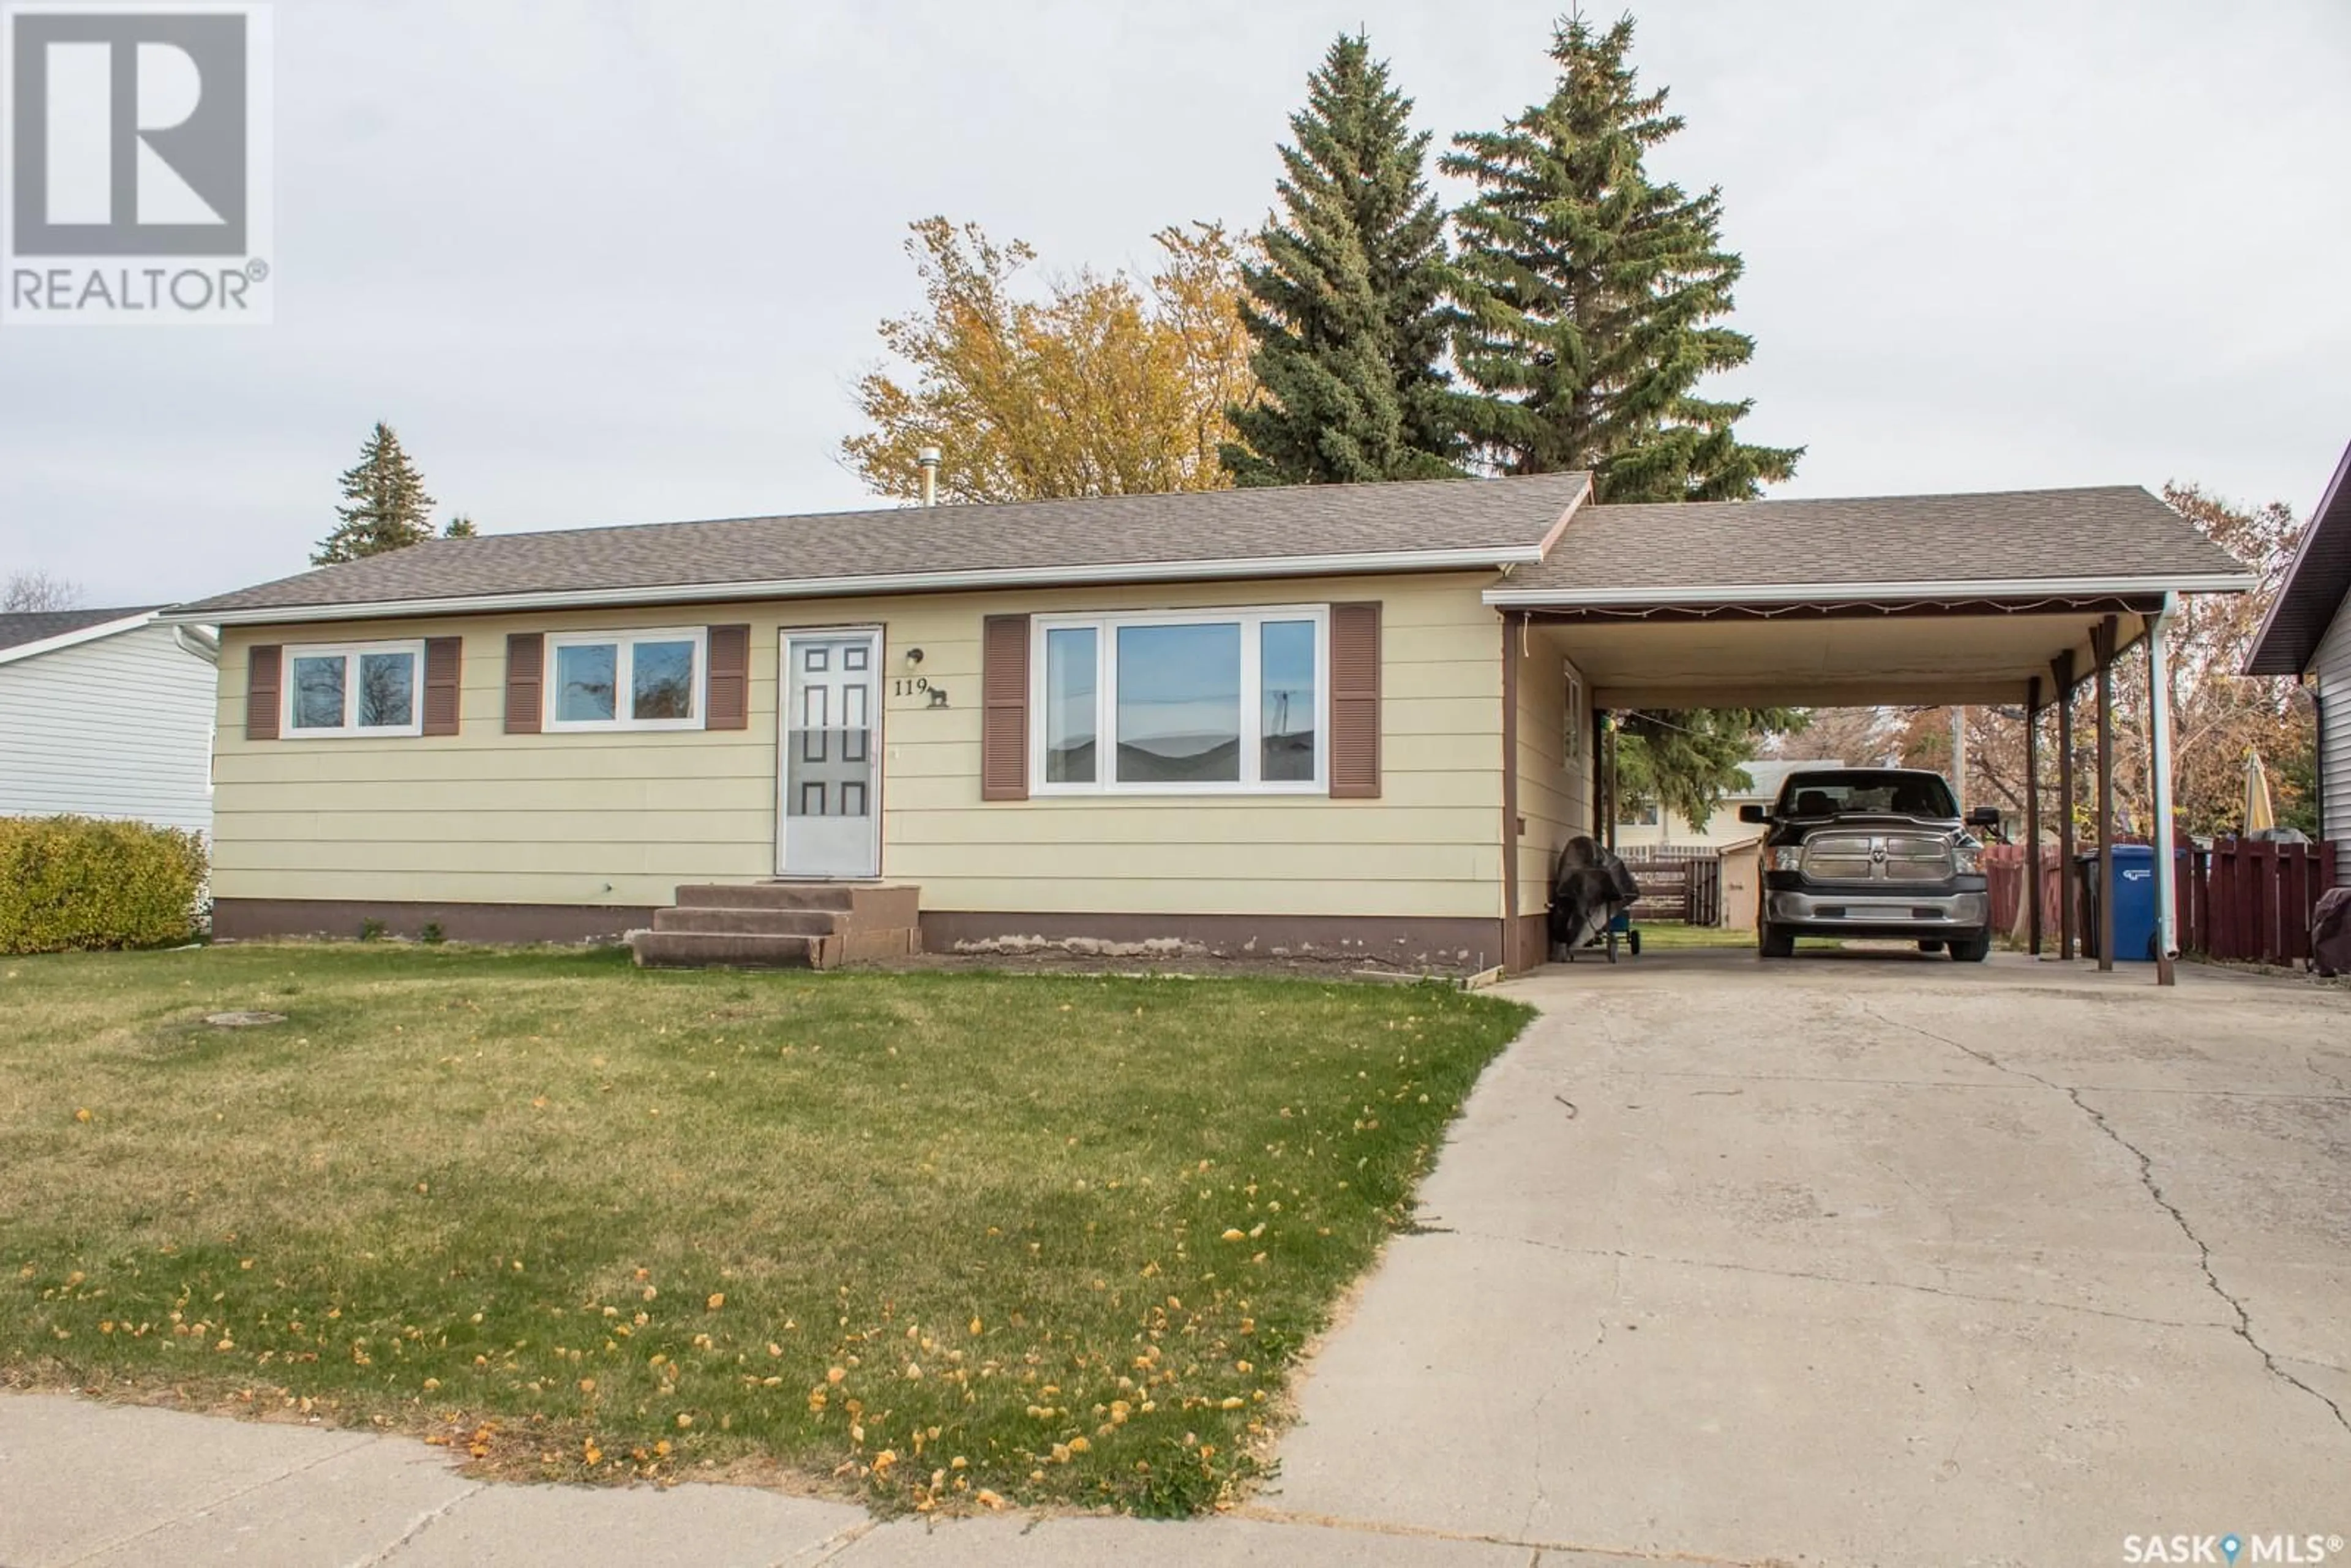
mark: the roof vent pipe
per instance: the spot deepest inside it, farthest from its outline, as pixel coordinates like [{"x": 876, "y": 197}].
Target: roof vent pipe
[{"x": 928, "y": 457}]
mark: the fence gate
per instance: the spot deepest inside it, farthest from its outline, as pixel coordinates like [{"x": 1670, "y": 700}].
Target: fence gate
[{"x": 1677, "y": 883}]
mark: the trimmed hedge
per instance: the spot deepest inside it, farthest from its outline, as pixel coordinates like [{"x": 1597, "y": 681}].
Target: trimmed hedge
[{"x": 68, "y": 883}]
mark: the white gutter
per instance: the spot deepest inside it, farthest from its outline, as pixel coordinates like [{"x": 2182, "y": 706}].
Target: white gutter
[
  {"x": 78, "y": 635},
  {"x": 1813, "y": 593},
  {"x": 1486, "y": 558}
]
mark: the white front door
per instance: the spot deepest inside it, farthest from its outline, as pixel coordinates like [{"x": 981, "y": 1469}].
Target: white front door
[{"x": 830, "y": 774}]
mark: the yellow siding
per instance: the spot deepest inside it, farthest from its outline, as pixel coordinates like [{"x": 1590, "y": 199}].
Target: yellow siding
[
  {"x": 1554, "y": 788},
  {"x": 623, "y": 817}
]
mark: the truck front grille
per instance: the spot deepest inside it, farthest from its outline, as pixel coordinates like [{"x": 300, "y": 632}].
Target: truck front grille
[
  {"x": 1877, "y": 857},
  {"x": 1917, "y": 857}
]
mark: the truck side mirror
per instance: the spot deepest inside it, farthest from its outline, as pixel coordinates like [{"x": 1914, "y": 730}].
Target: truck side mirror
[
  {"x": 1984, "y": 816},
  {"x": 1751, "y": 813}
]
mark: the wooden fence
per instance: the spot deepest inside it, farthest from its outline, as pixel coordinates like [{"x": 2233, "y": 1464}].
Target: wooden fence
[
  {"x": 2238, "y": 900},
  {"x": 2004, "y": 867},
  {"x": 1677, "y": 883},
  {"x": 2253, "y": 902}
]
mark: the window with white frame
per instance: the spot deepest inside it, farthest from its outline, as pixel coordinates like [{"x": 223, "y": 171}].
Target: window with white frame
[
  {"x": 1201, "y": 701},
  {"x": 354, "y": 689},
  {"x": 625, "y": 680}
]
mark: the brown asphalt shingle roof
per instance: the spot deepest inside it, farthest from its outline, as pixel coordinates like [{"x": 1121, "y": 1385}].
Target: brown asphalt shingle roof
[
  {"x": 2109, "y": 532},
  {"x": 1504, "y": 518}
]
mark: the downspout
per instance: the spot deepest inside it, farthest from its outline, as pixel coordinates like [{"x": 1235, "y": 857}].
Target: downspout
[
  {"x": 2318, "y": 757},
  {"x": 1513, "y": 628},
  {"x": 2103, "y": 644},
  {"x": 2158, "y": 709}
]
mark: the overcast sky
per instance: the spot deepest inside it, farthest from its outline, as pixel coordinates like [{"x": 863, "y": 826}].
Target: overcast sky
[{"x": 620, "y": 262}]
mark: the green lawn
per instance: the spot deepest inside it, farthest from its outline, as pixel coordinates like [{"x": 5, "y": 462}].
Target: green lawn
[{"x": 939, "y": 1239}]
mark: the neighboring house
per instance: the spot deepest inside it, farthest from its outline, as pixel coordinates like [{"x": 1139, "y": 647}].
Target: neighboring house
[
  {"x": 1650, "y": 827},
  {"x": 107, "y": 713},
  {"x": 1353, "y": 719},
  {"x": 2308, "y": 634}
]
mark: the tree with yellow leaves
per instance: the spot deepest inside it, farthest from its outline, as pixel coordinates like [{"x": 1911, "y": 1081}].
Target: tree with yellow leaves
[{"x": 1098, "y": 386}]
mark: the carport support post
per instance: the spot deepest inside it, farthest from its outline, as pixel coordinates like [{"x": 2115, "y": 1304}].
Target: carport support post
[
  {"x": 2158, "y": 743},
  {"x": 2032, "y": 867},
  {"x": 1602, "y": 805},
  {"x": 1615, "y": 811},
  {"x": 2102, "y": 640},
  {"x": 2063, "y": 668}
]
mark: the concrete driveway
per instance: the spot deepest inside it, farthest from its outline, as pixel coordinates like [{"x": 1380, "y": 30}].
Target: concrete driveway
[{"x": 1867, "y": 1259}]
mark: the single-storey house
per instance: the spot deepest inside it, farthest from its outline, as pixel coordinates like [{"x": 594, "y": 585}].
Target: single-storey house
[
  {"x": 2307, "y": 634},
  {"x": 1655, "y": 825},
  {"x": 107, "y": 713},
  {"x": 1354, "y": 719}
]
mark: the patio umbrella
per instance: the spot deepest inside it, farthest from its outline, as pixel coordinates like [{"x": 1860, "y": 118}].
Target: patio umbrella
[{"x": 2259, "y": 817}]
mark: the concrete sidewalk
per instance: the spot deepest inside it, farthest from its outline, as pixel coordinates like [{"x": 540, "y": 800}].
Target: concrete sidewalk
[{"x": 105, "y": 1486}]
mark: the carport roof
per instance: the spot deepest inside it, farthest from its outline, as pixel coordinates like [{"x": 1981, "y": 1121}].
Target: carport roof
[
  {"x": 1927, "y": 600},
  {"x": 2077, "y": 543}
]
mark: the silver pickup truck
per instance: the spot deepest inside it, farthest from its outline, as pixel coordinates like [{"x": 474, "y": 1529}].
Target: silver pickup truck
[{"x": 1873, "y": 851}]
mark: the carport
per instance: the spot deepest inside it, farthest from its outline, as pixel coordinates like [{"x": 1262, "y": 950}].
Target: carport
[{"x": 2018, "y": 598}]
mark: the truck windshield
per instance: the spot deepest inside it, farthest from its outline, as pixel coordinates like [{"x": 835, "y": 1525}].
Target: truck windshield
[{"x": 1864, "y": 790}]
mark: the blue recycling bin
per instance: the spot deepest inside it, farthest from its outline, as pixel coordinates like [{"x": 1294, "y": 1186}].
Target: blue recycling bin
[{"x": 2133, "y": 895}]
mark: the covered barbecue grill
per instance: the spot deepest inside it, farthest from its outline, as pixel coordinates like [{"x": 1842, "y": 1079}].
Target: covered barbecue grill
[{"x": 1592, "y": 894}]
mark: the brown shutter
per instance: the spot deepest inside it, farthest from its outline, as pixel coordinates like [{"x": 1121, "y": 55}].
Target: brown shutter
[
  {"x": 1004, "y": 709},
  {"x": 261, "y": 676},
  {"x": 729, "y": 705},
  {"x": 526, "y": 661},
  {"x": 1354, "y": 702},
  {"x": 444, "y": 658}
]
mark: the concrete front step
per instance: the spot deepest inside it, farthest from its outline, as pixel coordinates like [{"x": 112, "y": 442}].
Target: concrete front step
[
  {"x": 865, "y": 905},
  {"x": 757, "y": 950},
  {"x": 730, "y": 950},
  {"x": 781, "y": 925},
  {"x": 727, "y": 920}
]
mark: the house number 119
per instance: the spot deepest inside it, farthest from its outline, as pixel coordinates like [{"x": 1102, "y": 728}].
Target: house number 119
[{"x": 909, "y": 688}]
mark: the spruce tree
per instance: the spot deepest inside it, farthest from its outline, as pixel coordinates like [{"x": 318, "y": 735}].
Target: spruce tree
[
  {"x": 1589, "y": 298},
  {"x": 1346, "y": 308},
  {"x": 385, "y": 506}
]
